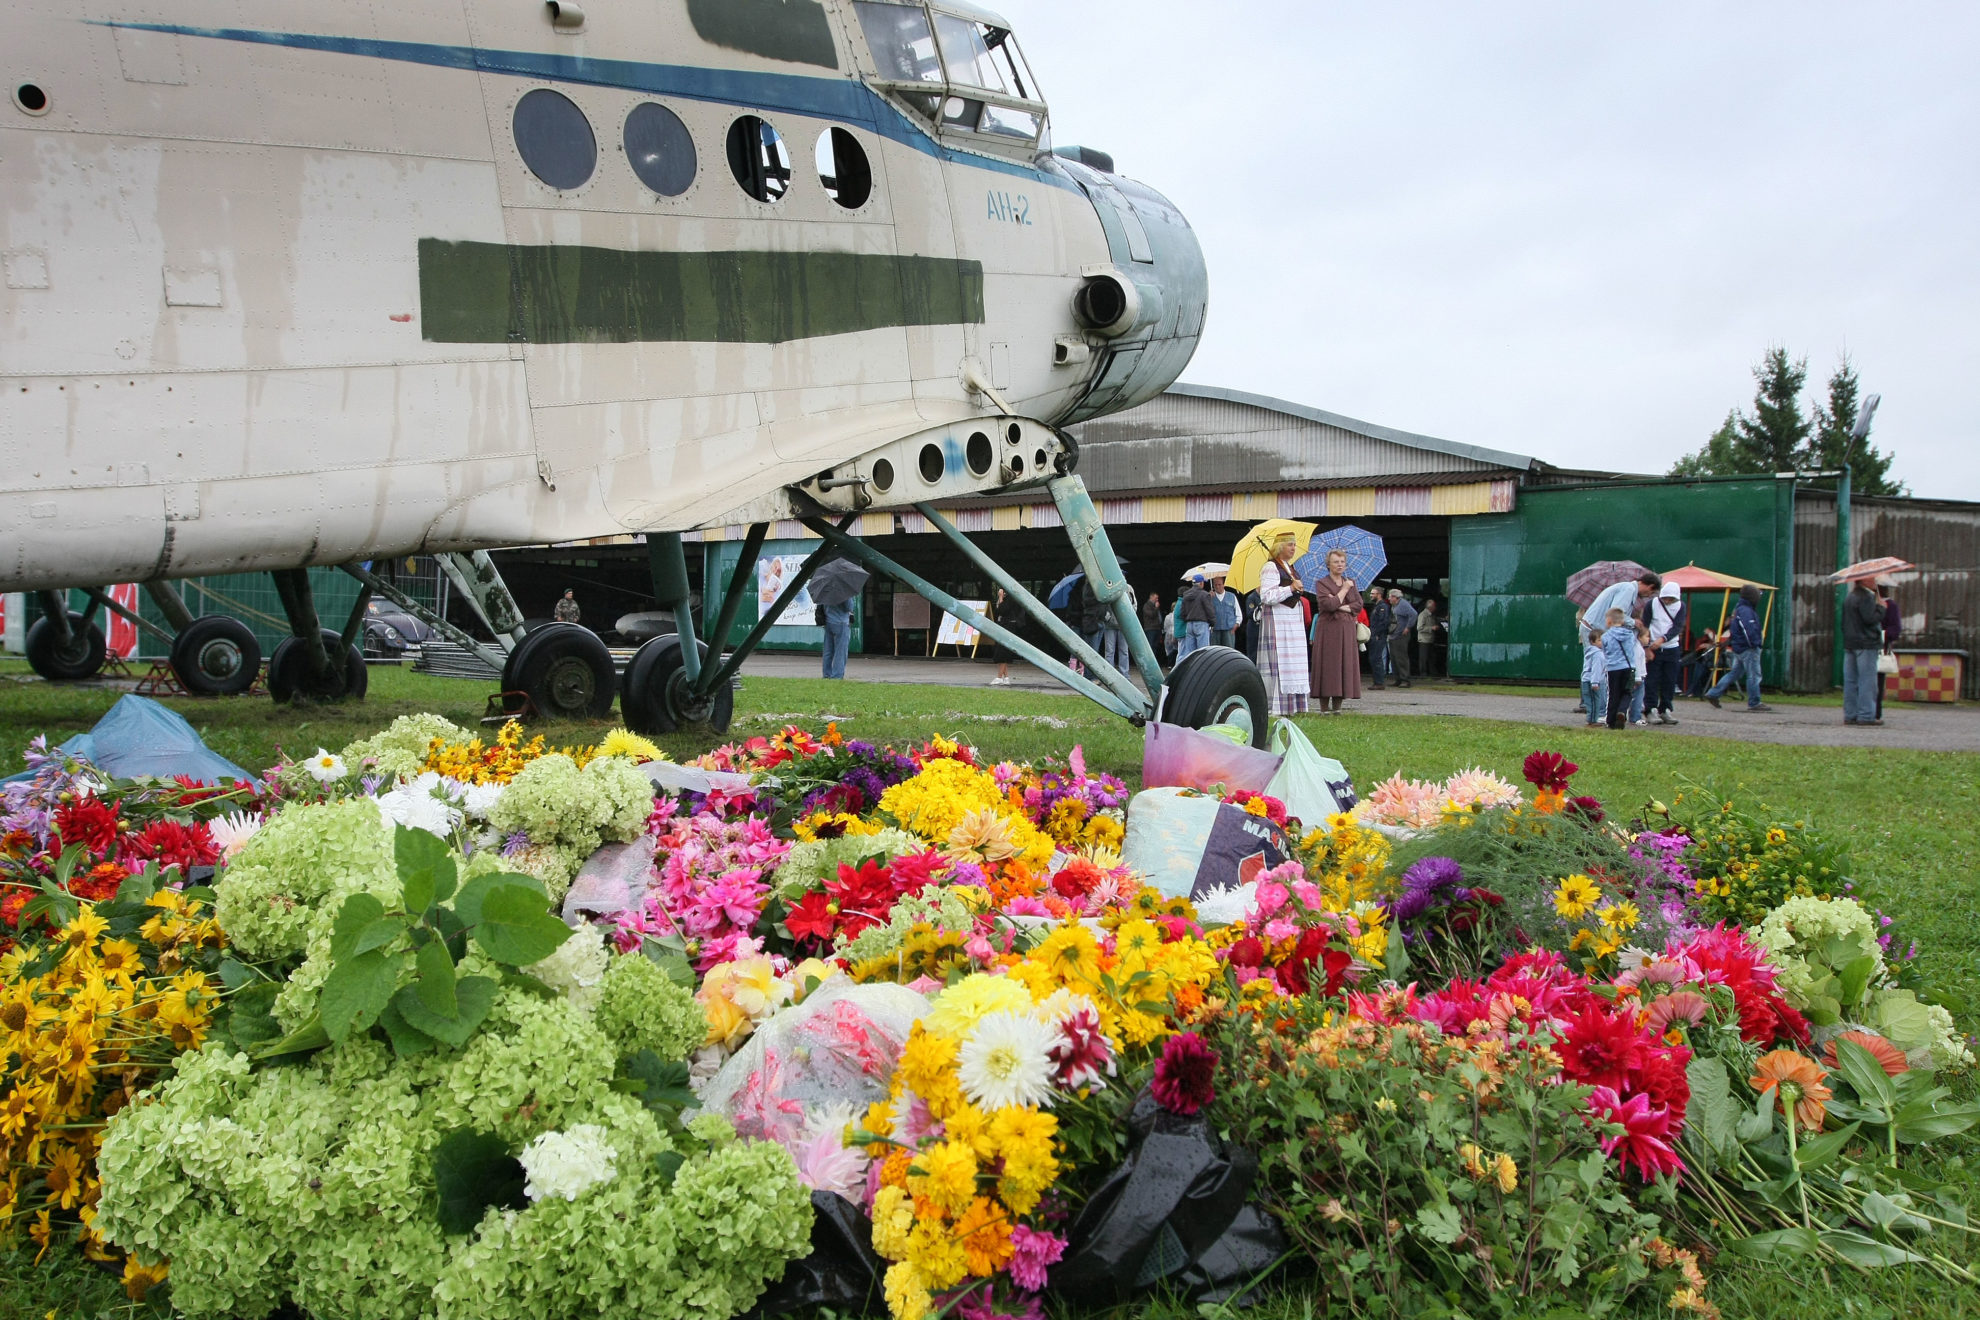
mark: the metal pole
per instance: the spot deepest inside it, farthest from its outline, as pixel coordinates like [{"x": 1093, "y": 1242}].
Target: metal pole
[
  {"x": 168, "y": 603},
  {"x": 494, "y": 657},
  {"x": 1052, "y": 623},
  {"x": 768, "y": 619},
  {"x": 96, "y": 594},
  {"x": 725, "y": 618},
  {"x": 867, "y": 555},
  {"x": 668, "y": 564},
  {"x": 1844, "y": 558},
  {"x": 1103, "y": 572}
]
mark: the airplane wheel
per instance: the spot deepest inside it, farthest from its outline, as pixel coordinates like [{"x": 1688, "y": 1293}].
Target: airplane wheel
[
  {"x": 289, "y": 678},
  {"x": 655, "y": 699},
  {"x": 216, "y": 656},
  {"x": 1217, "y": 685},
  {"x": 566, "y": 670},
  {"x": 79, "y": 659}
]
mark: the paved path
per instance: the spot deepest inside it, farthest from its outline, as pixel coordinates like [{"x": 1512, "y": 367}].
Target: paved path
[{"x": 1920, "y": 727}]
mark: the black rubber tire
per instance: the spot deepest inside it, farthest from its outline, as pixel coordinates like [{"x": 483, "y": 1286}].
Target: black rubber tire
[
  {"x": 1212, "y": 684},
  {"x": 647, "y": 702},
  {"x": 566, "y": 670},
  {"x": 216, "y": 656},
  {"x": 81, "y": 659},
  {"x": 289, "y": 678}
]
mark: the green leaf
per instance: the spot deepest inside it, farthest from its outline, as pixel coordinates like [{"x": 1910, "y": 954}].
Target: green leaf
[
  {"x": 358, "y": 912},
  {"x": 138, "y": 886},
  {"x": 1781, "y": 1244},
  {"x": 436, "y": 979},
  {"x": 309, "y": 1036},
  {"x": 516, "y": 926},
  {"x": 671, "y": 961},
  {"x": 667, "y": 1163},
  {"x": 1711, "y": 1116},
  {"x": 473, "y": 1171},
  {"x": 1867, "y": 1252},
  {"x": 662, "y": 1085},
  {"x": 453, "y": 930},
  {"x": 426, "y": 867},
  {"x": 475, "y": 994},
  {"x": 1926, "y": 1120},
  {"x": 1813, "y": 1154},
  {"x": 250, "y": 1018},
  {"x": 380, "y": 933},
  {"x": 1439, "y": 1222},
  {"x": 356, "y": 992},
  {"x": 1856, "y": 979},
  {"x": 1756, "y": 1125},
  {"x": 234, "y": 973},
  {"x": 468, "y": 902},
  {"x": 407, "y": 1040},
  {"x": 1887, "y": 1214}
]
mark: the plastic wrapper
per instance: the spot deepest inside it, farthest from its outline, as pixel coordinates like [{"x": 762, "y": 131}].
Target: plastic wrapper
[
  {"x": 1177, "y": 1208},
  {"x": 1186, "y": 844},
  {"x": 837, "y": 1048},
  {"x": 613, "y": 879},
  {"x": 841, "y": 1270},
  {"x": 1312, "y": 786},
  {"x": 137, "y": 736},
  {"x": 1172, "y": 756}
]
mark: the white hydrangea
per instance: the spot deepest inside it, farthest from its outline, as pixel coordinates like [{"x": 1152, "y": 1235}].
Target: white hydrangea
[
  {"x": 577, "y": 968},
  {"x": 568, "y": 1163},
  {"x": 427, "y": 803},
  {"x": 1948, "y": 1047}
]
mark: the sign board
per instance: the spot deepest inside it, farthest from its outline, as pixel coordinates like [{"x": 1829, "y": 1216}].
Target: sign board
[
  {"x": 953, "y": 632},
  {"x": 772, "y": 573}
]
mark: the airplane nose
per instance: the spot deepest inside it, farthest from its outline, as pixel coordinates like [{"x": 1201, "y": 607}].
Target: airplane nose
[{"x": 1149, "y": 304}]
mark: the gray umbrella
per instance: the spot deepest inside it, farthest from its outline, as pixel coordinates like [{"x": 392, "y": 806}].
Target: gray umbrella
[{"x": 837, "y": 581}]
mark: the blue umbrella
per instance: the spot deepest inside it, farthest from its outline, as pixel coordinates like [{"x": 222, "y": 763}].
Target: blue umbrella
[
  {"x": 1366, "y": 558},
  {"x": 1062, "y": 593}
]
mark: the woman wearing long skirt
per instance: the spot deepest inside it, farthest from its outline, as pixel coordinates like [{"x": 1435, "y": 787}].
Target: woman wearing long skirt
[
  {"x": 1282, "y": 659},
  {"x": 1336, "y": 645}
]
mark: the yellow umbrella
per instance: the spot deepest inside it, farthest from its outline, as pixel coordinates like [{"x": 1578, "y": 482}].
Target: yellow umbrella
[{"x": 1250, "y": 555}]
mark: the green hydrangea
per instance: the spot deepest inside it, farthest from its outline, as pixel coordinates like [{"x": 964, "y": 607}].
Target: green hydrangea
[
  {"x": 398, "y": 750},
  {"x": 944, "y": 907},
  {"x": 1808, "y": 939},
  {"x": 567, "y": 813},
  {"x": 810, "y": 865},
  {"x": 289, "y": 879},
  {"x": 642, "y": 1009}
]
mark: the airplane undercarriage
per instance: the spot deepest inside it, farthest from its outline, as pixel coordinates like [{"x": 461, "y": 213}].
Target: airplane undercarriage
[{"x": 565, "y": 671}]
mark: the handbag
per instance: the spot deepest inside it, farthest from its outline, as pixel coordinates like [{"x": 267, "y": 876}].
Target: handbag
[
  {"x": 1361, "y": 633},
  {"x": 1886, "y": 663}
]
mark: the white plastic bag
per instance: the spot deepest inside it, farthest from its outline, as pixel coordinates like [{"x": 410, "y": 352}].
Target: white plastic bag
[
  {"x": 1312, "y": 786},
  {"x": 1186, "y": 844}
]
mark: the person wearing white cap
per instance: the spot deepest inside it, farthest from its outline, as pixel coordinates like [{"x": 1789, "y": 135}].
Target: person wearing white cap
[{"x": 1666, "y": 618}]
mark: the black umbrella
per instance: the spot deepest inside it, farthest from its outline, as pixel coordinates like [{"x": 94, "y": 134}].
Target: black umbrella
[{"x": 836, "y": 582}]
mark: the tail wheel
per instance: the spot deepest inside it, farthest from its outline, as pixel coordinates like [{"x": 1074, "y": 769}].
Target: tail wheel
[
  {"x": 71, "y": 661},
  {"x": 290, "y": 679},
  {"x": 656, "y": 697},
  {"x": 566, "y": 672},
  {"x": 216, "y": 656},
  {"x": 1217, "y": 685}
]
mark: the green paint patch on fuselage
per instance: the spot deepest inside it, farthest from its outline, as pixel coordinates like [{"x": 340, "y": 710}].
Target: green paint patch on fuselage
[
  {"x": 794, "y": 30},
  {"x": 492, "y": 293}
]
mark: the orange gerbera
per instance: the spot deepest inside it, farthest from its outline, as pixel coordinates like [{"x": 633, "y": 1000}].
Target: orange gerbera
[
  {"x": 1889, "y": 1056},
  {"x": 1784, "y": 1069}
]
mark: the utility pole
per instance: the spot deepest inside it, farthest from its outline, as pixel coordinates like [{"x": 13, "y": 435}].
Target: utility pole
[{"x": 1843, "y": 560}]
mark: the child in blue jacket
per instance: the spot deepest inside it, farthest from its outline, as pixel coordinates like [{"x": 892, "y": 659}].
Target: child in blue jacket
[{"x": 1621, "y": 652}]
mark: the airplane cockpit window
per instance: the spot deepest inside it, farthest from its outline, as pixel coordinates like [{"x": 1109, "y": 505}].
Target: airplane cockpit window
[
  {"x": 963, "y": 53},
  {"x": 903, "y": 48}
]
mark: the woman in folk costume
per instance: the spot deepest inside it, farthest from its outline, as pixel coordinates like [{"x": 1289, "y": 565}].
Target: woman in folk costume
[
  {"x": 1336, "y": 644},
  {"x": 1282, "y": 658}
]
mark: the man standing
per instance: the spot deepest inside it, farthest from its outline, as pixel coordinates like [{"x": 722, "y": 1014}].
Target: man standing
[
  {"x": 1427, "y": 624},
  {"x": 1666, "y": 618},
  {"x": 1199, "y": 613},
  {"x": 1625, "y": 596},
  {"x": 1402, "y": 617},
  {"x": 1743, "y": 638},
  {"x": 567, "y": 609},
  {"x": 1379, "y": 620},
  {"x": 1863, "y": 640},
  {"x": 1223, "y": 628}
]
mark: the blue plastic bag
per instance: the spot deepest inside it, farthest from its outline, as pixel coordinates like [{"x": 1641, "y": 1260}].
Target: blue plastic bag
[{"x": 140, "y": 737}]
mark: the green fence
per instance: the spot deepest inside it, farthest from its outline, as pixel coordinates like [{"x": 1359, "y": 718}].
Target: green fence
[
  {"x": 251, "y": 598},
  {"x": 1510, "y": 617}
]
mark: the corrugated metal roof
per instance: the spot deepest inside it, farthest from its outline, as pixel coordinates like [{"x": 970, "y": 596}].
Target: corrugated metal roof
[{"x": 1203, "y": 437}]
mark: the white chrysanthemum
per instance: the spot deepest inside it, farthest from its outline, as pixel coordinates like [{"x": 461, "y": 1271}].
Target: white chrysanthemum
[
  {"x": 417, "y": 810},
  {"x": 325, "y": 766},
  {"x": 577, "y": 968},
  {"x": 1007, "y": 1061},
  {"x": 480, "y": 799},
  {"x": 1226, "y": 904},
  {"x": 567, "y": 1164},
  {"x": 232, "y": 831}
]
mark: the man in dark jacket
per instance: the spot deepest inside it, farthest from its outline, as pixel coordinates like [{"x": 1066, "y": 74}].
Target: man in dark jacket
[
  {"x": 1743, "y": 638},
  {"x": 1199, "y": 616},
  {"x": 1863, "y": 640},
  {"x": 1402, "y": 622},
  {"x": 1379, "y": 619}
]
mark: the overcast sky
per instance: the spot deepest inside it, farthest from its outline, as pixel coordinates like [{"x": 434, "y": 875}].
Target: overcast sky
[{"x": 1566, "y": 230}]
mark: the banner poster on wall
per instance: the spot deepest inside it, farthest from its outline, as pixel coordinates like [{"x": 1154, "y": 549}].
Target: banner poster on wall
[{"x": 772, "y": 572}]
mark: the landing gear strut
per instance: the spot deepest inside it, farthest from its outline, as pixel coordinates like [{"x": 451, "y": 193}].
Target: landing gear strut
[
  {"x": 63, "y": 647},
  {"x": 315, "y": 664}
]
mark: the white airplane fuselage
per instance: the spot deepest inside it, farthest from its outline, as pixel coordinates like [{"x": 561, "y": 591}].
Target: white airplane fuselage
[{"x": 281, "y": 287}]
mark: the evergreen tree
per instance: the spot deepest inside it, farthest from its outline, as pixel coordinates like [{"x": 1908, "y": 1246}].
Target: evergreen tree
[
  {"x": 1719, "y": 457},
  {"x": 1833, "y": 445},
  {"x": 1773, "y": 438}
]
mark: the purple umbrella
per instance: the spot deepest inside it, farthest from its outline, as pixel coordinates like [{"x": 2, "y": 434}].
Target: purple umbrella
[{"x": 1583, "y": 587}]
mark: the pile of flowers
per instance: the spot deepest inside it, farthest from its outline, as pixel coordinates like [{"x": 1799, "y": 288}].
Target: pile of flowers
[{"x": 339, "y": 1038}]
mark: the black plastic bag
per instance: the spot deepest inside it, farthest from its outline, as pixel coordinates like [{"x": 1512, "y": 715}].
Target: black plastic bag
[
  {"x": 1177, "y": 1208},
  {"x": 842, "y": 1270}
]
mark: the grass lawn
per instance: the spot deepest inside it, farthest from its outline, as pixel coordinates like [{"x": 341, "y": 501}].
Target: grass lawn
[{"x": 1913, "y": 819}]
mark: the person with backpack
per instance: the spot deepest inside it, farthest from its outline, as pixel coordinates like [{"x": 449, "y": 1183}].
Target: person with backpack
[{"x": 1743, "y": 639}]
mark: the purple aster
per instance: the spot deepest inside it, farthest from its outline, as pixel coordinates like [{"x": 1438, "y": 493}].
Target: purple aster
[{"x": 514, "y": 844}]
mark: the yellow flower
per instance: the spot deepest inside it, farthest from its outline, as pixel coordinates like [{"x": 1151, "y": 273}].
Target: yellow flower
[
  {"x": 1134, "y": 943},
  {"x": 1505, "y": 1173},
  {"x": 1071, "y": 954},
  {"x": 65, "y": 1178},
  {"x": 1024, "y": 1138},
  {"x": 623, "y": 742},
  {"x": 984, "y": 1229},
  {"x": 893, "y": 1219},
  {"x": 81, "y": 933},
  {"x": 1619, "y": 916},
  {"x": 1575, "y": 896},
  {"x": 139, "y": 1278},
  {"x": 907, "y": 1291},
  {"x": 966, "y": 1124},
  {"x": 945, "y": 1174},
  {"x": 1473, "y": 1159}
]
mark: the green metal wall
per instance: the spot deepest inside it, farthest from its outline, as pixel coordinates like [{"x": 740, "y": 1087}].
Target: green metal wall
[
  {"x": 719, "y": 567},
  {"x": 1510, "y": 617}
]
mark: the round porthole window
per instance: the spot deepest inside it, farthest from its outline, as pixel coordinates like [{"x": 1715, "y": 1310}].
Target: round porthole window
[
  {"x": 660, "y": 149},
  {"x": 843, "y": 168},
  {"x": 555, "y": 139},
  {"x": 30, "y": 99},
  {"x": 759, "y": 159}
]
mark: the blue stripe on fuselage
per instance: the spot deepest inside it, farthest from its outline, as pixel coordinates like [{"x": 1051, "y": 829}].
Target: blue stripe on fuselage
[{"x": 821, "y": 98}]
